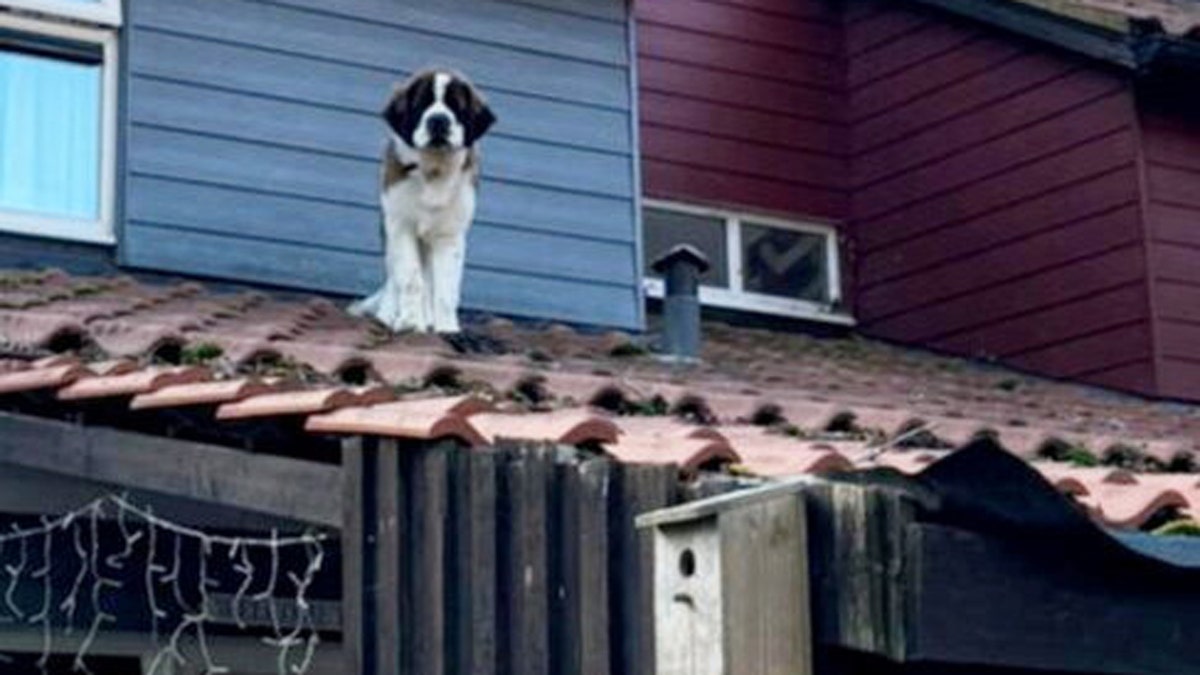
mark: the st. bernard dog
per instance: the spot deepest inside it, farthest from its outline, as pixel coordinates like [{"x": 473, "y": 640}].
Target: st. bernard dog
[{"x": 429, "y": 178}]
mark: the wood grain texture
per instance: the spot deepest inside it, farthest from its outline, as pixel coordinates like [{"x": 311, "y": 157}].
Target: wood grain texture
[
  {"x": 217, "y": 115},
  {"x": 292, "y": 489},
  {"x": 858, "y": 536},
  {"x": 1054, "y": 325},
  {"x": 522, "y": 586},
  {"x": 355, "y": 553},
  {"x": 594, "y": 587},
  {"x": 690, "y": 632},
  {"x": 719, "y": 82},
  {"x": 995, "y": 198},
  {"x": 372, "y": 570},
  {"x": 737, "y": 20},
  {"x": 764, "y": 568},
  {"x": 1004, "y": 193},
  {"x": 471, "y": 563},
  {"x": 425, "y": 612},
  {"x": 392, "y": 637},
  {"x": 1017, "y": 299},
  {"x": 1170, "y": 132},
  {"x": 940, "y": 244},
  {"x": 637, "y": 489}
]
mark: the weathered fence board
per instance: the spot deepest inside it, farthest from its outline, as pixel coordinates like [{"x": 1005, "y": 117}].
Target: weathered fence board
[
  {"x": 355, "y": 550},
  {"x": 631, "y": 559},
  {"x": 565, "y": 624},
  {"x": 594, "y": 588},
  {"x": 522, "y": 589},
  {"x": 471, "y": 564},
  {"x": 372, "y": 571},
  {"x": 517, "y": 560},
  {"x": 765, "y": 573},
  {"x": 857, "y": 536},
  {"x": 425, "y": 607},
  {"x": 277, "y": 486},
  {"x": 391, "y": 562}
]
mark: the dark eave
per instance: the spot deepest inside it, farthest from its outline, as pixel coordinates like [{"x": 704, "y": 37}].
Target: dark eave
[
  {"x": 1164, "y": 51},
  {"x": 1143, "y": 50}
]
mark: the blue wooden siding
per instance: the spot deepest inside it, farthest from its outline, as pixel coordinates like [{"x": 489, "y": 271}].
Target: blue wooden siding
[{"x": 253, "y": 139}]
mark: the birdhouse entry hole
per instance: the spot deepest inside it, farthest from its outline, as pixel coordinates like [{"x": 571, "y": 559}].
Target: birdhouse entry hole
[{"x": 687, "y": 562}]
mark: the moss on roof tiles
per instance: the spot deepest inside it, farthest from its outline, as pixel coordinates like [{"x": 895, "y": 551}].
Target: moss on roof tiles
[{"x": 1185, "y": 527}]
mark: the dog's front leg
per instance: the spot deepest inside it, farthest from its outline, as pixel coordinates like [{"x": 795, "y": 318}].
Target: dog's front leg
[
  {"x": 427, "y": 276},
  {"x": 401, "y": 303},
  {"x": 446, "y": 257}
]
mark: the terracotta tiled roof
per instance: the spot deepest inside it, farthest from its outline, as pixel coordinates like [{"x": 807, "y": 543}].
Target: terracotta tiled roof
[{"x": 762, "y": 402}]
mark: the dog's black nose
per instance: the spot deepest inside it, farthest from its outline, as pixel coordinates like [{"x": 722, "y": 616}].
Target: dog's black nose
[{"x": 438, "y": 125}]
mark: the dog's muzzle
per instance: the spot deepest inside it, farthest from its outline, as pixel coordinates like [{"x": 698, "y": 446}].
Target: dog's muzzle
[{"x": 438, "y": 127}]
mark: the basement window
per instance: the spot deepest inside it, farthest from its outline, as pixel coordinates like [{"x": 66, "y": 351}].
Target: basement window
[{"x": 759, "y": 263}]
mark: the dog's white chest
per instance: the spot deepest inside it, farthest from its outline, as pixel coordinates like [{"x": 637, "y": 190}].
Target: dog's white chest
[{"x": 431, "y": 209}]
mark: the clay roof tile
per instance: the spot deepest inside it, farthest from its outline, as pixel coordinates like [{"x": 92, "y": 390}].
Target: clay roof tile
[
  {"x": 426, "y": 419},
  {"x": 132, "y": 383},
  {"x": 569, "y": 427}
]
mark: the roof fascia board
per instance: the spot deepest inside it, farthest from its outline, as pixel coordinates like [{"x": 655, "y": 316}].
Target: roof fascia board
[{"x": 1044, "y": 26}]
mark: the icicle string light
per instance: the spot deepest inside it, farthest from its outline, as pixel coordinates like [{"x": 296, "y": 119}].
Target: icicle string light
[
  {"x": 14, "y": 577},
  {"x": 43, "y": 615},
  {"x": 94, "y": 582}
]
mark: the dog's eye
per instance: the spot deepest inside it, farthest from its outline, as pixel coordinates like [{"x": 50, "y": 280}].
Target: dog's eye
[
  {"x": 456, "y": 97},
  {"x": 421, "y": 94}
]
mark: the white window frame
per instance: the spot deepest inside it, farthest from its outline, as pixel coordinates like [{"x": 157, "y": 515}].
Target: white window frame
[
  {"x": 102, "y": 12},
  {"x": 736, "y": 297},
  {"x": 97, "y": 230}
]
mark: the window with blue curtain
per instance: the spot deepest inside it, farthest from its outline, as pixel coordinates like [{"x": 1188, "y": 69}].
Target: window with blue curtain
[{"x": 50, "y": 134}]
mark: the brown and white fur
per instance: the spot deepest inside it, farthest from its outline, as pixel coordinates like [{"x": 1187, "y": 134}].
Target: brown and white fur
[{"x": 429, "y": 180}]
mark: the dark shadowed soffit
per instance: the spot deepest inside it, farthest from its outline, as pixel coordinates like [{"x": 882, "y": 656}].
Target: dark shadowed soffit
[{"x": 1143, "y": 48}]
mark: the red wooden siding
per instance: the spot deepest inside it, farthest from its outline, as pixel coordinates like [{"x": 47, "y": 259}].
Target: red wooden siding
[
  {"x": 1002, "y": 199},
  {"x": 995, "y": 201},
  {"x": 1171, "y": 164},
  {"x": 742, "y": 104}
]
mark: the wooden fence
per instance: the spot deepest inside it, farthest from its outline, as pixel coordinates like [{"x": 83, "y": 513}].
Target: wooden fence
[{"x": 514, "y": 560}]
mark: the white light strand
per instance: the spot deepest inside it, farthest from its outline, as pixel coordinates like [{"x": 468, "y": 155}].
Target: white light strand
[
  {"x": 43, "y": 616},
  {"x": 268, "y": 594},
  {"x": 71, "y": 603},
  {"x": 153, "y": 568},
  {"x": 101, "y": 570},
  {"x": 303, "y": 615},
  {"x": 14, "y": 577},
  {"x": 246, "y": 569},
  {"x": 176, "y": 570},
  {"x": 99, "y": 583}
]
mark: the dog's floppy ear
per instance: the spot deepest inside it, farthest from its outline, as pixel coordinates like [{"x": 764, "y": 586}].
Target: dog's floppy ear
[
  {"x": 395, "y": 113},
  {"x": 400, "y": 112},
  {"x": 480, "y": 118}
]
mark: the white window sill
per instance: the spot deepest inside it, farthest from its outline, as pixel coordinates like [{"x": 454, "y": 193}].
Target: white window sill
[
  {"x": 762, "y": 304},
  {"x": 85, "y": 232}
]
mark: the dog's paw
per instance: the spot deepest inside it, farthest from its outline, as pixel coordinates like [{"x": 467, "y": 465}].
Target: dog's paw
[
  {"x": 446, "y": 325},
  {"x": 389, "y": 308},
  {"x": 368, "y": 306},
  {"x": 360, "y": 308}
]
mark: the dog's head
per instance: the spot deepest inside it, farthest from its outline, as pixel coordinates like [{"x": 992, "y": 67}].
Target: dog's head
[{"x": 438, "y": 110}]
